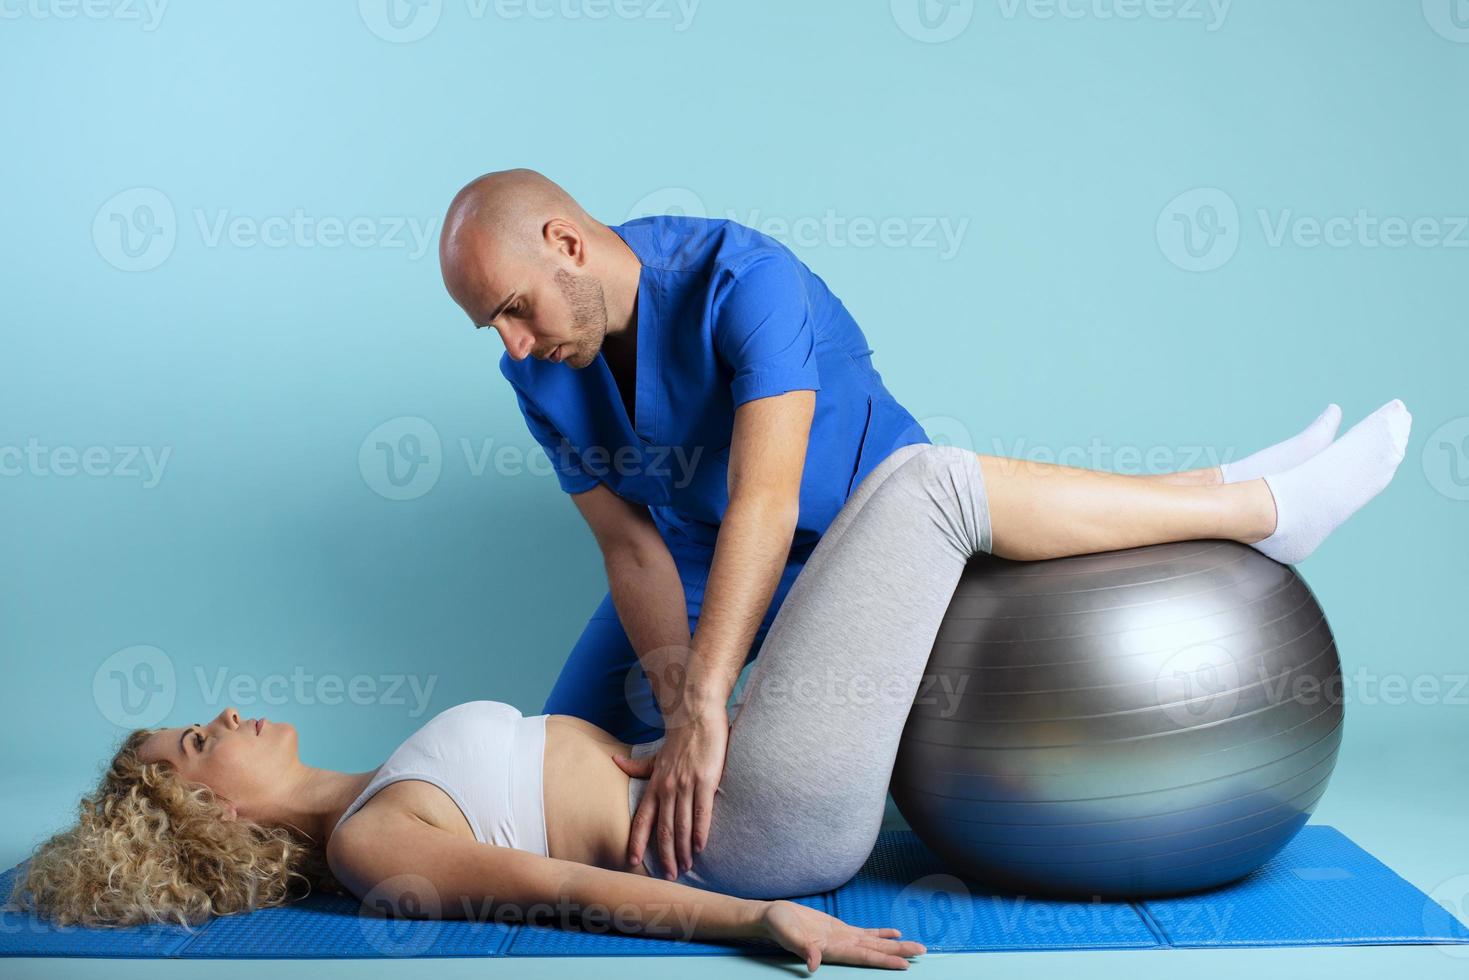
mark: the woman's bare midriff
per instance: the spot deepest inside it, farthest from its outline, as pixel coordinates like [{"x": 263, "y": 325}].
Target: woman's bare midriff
[{"x": 585, "y": 795}]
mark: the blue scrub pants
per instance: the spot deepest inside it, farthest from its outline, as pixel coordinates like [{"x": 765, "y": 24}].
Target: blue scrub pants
[{"x": 598, "y": 682}]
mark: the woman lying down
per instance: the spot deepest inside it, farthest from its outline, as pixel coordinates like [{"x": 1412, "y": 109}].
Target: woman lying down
[{"x": 484, "y": 813}]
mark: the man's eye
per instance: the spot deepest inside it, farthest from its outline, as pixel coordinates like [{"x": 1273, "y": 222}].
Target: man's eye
[{"x": 198, "y": 740}]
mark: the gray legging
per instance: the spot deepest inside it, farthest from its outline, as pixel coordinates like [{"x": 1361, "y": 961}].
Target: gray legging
[{"x": 814, "y": 736}]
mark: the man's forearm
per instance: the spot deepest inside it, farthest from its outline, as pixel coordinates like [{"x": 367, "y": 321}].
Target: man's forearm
[
  {"x": 648, "y": 593},
  {"x": 750, "y": 554}
]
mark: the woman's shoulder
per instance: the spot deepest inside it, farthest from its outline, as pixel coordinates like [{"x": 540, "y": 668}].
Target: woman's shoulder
[
  {"x": 390, "y": 820},
  {"x": 396, "y": 787}
]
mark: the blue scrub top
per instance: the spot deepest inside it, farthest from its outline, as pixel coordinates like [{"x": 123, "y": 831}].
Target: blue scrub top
[{"x": 725, "y": 315}]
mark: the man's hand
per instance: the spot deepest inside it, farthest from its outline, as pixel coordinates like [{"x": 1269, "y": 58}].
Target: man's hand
[{"x": 682, "y": 778}]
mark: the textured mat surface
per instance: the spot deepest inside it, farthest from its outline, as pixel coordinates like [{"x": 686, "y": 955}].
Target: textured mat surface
[
  {"x": 904, "y": 885},
  {"x": 1322, "y": 890}
]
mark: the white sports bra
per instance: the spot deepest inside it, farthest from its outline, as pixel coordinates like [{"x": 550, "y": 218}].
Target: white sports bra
[{"x": 490, "y": 759}]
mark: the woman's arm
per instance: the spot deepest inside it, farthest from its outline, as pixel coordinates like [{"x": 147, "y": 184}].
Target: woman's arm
[{"x": 399, "y": 865}]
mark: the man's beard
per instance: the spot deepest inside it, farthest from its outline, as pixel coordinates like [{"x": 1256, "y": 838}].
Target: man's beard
[{"x": 588, "y": 316}]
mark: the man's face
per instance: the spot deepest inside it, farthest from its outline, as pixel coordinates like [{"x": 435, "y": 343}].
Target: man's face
[{"x": 552, "y": 313}]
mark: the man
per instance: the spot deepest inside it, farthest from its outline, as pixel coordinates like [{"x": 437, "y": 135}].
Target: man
[{"x": 709, "y": 405}]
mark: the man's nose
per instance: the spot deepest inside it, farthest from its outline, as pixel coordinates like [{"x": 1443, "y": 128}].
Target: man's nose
[
  {"x": 518, "y": 343},
  {"x": 229, "y": 718}
]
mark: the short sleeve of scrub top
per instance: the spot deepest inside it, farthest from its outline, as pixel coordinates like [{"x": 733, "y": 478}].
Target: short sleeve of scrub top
[
  {"x": 763, "y": 331},
  {"x": 564, "y": 458}
]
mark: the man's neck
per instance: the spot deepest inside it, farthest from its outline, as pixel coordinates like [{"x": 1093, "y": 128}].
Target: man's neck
[{"x": 625, "y": 271}]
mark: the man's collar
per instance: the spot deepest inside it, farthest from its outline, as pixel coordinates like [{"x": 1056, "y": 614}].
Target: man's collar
[{"x": 640, "y": 236}]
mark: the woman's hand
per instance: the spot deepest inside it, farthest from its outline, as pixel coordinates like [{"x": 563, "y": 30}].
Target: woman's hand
[{"x": 817, "y": 937}]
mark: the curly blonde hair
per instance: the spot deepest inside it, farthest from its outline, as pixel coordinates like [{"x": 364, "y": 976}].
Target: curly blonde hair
[{"x": 152, "y": 847}]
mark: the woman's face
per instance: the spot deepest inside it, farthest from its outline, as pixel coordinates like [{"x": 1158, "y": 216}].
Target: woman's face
[{"x": 241, "y": 760}]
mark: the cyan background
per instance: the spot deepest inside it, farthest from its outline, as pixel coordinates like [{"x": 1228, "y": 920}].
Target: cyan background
[{"x": 1069, "y": 151}]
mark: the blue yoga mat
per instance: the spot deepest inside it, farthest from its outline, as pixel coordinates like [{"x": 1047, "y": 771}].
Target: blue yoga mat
[{"x": 1321, "y": 890}]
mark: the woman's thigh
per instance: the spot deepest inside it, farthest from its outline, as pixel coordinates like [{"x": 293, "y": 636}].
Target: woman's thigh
[{"x": 812, "y": 748}]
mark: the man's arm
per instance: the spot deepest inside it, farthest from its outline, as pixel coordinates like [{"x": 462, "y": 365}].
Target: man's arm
[
  {"x": 645, "y": 586},
  {"x": 767, "y": 458}
]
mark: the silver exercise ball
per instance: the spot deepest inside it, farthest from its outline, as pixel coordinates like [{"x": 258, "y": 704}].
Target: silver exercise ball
[{"x": 1143, "y": 722}]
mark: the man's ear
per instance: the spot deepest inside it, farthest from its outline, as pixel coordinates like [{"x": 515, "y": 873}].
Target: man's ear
[
  {"x": 565, "y": 237},
  {"x": 230, "y": 813}
]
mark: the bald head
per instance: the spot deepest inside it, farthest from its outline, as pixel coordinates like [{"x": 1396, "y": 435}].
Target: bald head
[
  {"x": 519, "y": 254},
  {"x": 505, "y": 213}
]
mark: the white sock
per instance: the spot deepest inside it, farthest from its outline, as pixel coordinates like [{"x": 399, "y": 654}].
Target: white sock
[
  {"x": 1313, "y": 498},
  {"x": 1283, "y": 455}
]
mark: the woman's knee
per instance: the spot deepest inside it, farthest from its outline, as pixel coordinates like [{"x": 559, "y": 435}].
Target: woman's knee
[{"x": 948, "y": 481}]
